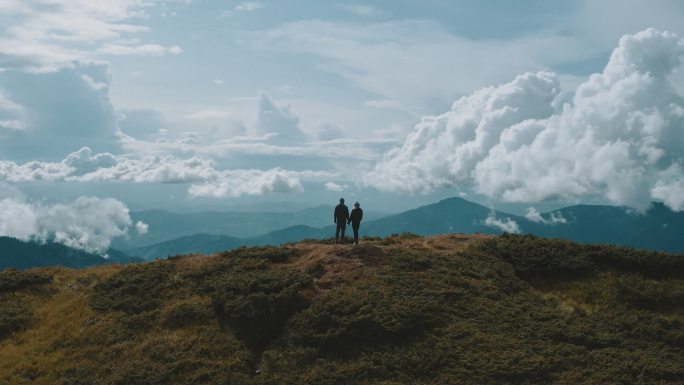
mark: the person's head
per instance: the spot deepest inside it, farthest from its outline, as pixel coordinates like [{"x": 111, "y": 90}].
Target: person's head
[
  {"x": 341, "y": 200},
  {"x": 357, "y": 204}
]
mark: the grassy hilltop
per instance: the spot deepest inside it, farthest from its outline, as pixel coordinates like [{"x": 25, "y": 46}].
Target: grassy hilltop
[{"x": 450, "y": 309}]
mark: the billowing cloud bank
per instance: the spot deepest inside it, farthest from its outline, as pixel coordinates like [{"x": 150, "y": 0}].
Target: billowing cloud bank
[
  {"x": 88, "y": 223},
  {"x": 506, "y": 225},
  {"x": 621, "y": 137},
  {"x": 207, "y": 181}
]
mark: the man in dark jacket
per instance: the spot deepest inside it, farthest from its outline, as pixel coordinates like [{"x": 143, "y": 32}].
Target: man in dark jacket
[
  {"x": 341, "y": 216},
  {"x": 355, "y": 220}
]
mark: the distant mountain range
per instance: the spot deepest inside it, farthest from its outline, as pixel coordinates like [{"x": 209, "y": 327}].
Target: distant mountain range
[
  {"x": 18, "y": 254},
  {"x": 658, "y": 228},
  {"x": 165, "y": 226}
]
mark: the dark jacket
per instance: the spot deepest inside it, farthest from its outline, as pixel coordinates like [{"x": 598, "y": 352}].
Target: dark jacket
[
  {"x": 356, "y": 216},
  {"x": 341, "y": 214}
]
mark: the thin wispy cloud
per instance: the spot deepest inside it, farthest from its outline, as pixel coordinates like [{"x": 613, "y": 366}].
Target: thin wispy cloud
[
  {"x": 43, "y": 36},
  {"x": 249, "y": 6},
  {"x": 246, "y": 6},
  {"x": 364, "y": 10}
]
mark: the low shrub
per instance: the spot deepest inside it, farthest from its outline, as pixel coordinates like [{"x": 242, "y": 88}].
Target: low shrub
[
  {"x": 14, "y": 280},
  {"x": 397, "y": 238},
  {"x": 255, "y": 300},
  {"x": 532, "y": 256},
  {"x": 644, "y": 262},
  {"x": 385, "y": 311},
  {"x": 317, "y": 241},
  {"x": 15, "y": 315},
  {"x": 640, "y": 292},
  {"x": 270, "y": 253},
  {"x": 187, "y": 312},
  {"x": 408, "y": 260},
  {"x": 134, "y": 289}
]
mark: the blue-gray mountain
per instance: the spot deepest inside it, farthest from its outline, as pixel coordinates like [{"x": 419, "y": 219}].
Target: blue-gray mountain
[
  {"x": 18, "y": 254},
  {"x": 658, "y": 228},
  {"x": 165, "y": 226}
]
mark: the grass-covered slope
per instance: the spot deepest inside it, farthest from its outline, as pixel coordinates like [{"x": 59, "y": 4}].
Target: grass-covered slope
[{"x": 401, "y": 310}]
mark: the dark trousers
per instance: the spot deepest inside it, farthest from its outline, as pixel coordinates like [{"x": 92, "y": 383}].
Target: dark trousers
[
  {"x": 341, "y": 228},
  {"x": 355, "y": 227}
]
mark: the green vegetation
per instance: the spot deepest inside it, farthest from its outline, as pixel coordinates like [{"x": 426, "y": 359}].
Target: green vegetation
[
  {"x": 17, "y": 288},
  {"x": 399, "y": 310},
  {"x": 12, "y": 280}
]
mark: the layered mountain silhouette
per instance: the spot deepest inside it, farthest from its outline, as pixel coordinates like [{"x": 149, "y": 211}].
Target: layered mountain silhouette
[
  {"x": 658, "y": 228},
  {"x": 19, "y": 254},
  {"x": 165, "y": 225}
]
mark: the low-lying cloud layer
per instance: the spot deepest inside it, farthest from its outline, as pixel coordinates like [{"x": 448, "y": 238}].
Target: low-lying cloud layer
[
  {"x": 619, "y": 138},
  {"x": 206, "y": 180},
  {"x": 507, "y": 224},
  {"x": 88, "y": 223},
  {"x": 554, "y": 218}
]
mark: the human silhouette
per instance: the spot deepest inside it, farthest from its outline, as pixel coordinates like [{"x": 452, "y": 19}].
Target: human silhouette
[
  {"x": 355, "y": 220},
  {"x": 341, "y": 216}
]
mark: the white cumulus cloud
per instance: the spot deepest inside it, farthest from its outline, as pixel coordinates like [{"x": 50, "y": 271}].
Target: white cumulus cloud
[
  {"x": 236, "y": 183},
  {"x": 205, "y": 179},
  {"x": 332, "y": 186},
  {"x": 554, "y": 218},
  {"x": 619, "y": 138},
  {"x": 507, "y": 225},
  {"x": 142, "y": 227},
  {"x": 88, "y": 223}
]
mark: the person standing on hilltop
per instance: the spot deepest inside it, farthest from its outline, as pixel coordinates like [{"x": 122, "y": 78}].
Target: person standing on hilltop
[
  {"x": 341, "y": 216},
  {"x": 355, "y": 220}
]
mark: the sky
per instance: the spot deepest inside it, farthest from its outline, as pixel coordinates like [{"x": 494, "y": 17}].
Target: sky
[{"x": 206, "y": 104}]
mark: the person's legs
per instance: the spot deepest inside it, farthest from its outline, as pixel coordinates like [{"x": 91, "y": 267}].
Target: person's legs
[
  {"x": 343, "y": 228},
  {"x": 337, "y": 233},
  {"x": 356, "y": 233}
]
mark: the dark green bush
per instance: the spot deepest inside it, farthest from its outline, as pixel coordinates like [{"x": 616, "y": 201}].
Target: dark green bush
[
  {"x": 270, "y": 253},
  {"x": 255, "y": 300},
  {"x": 387, "y": 311},
  {"x": 132, "y": 290},
  {"x": 14, "y": 280},
  {"x": 634, "y": 290},
  {"x": 409, "y": 260},
  {"x": 186, "y": 313},
  {"x": 649, "y": 263},
  {"x": 15, "y": 315},
  {"x": 532, "y": 256},
  {"x": 397, "y": 238},
  {"x": 321, "y": 241}
]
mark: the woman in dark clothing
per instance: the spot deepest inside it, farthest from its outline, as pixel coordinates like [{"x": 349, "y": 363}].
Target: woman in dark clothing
[{"x": 355, "y": 220}]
